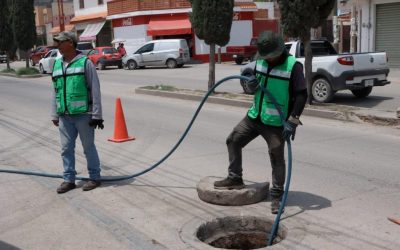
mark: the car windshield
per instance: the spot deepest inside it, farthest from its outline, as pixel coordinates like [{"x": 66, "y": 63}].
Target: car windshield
[
  {"x": 48, "y": 54},
  {"x": 109, "y": 51},
  {"x": 84, "y": 46}
]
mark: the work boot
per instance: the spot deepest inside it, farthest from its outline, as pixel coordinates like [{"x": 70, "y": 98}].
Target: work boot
[
  {"x": 228, "y": 183},
  {"x": 65, "y": 187},
  {"x": 275, "y": 204},
  {"x": 90, "y": 185}
]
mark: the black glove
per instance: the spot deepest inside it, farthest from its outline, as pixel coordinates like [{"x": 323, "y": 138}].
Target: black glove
[
  {"x": 55, "y": 122},
  {"x": 289, "y": 130},
  {"x": 252, "y": 83},
  {"x": 96, "y": 123}
]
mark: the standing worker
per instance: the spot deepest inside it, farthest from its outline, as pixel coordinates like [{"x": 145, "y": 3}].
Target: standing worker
[
  {"x": 76, "y": 110},
  {"x": 278, "y": 72},
  {"x": 121, "y": 49}
]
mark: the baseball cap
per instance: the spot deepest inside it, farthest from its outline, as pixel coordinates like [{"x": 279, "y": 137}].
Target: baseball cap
[
  {"x": 269, "y": 45},
  {"x": 66, "y": 35}
]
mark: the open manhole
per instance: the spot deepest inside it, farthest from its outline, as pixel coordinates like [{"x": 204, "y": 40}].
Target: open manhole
[{"x": 237, "y": 232}]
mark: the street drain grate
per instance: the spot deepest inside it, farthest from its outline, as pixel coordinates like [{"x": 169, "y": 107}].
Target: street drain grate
[{"x": 238, "y": 232}]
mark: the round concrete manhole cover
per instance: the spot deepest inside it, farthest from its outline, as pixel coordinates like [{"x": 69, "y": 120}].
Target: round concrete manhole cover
[{"x": 250, "y": 194}]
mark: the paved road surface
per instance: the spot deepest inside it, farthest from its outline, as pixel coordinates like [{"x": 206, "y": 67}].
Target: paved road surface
[{"x": 345, "y": 179}]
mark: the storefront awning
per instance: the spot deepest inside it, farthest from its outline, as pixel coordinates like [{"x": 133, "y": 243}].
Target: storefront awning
[
  {"x": 91, "y": 31},
  {"x": 89, "y": 18},
  {"x": 67, "y": 27},
  {"x": 169, "y": 26}
]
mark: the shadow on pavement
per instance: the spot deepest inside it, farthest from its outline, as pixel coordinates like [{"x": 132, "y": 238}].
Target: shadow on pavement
[
  {"x": 307, "y": 201},
  {"x": 6, "y": 246},
  {"x": 79, "y": 184},
  {"x": 371, "y": 101}
]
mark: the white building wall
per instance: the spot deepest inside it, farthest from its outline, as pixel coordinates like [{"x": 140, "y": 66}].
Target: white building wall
[
  {"x": 241, "y": 34},
  {"x": 134, "y": 36},
  {"x": 366, "y": 32},
  {"x": 91, "y": 6}
]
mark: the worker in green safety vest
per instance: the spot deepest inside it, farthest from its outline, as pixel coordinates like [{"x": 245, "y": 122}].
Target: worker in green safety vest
[
  {"x": 278, "y": 72},
  {"x": 76, "y": 110}
]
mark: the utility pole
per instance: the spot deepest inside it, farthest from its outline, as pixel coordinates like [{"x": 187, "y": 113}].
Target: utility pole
[
  {"x": 61, "y": 14},
  {"x": 335, "y": 26},
  {"x": 353, "y": 29}
]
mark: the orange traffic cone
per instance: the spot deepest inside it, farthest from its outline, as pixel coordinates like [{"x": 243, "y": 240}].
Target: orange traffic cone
[
  {"x": 397, "y": 221},
  {"x": 120, "y": 131}
]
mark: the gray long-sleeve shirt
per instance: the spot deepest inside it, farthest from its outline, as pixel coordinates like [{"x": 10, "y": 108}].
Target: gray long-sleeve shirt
[{"x": 94, "y": 90}]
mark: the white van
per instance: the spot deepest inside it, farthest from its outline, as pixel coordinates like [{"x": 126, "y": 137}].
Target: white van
[{"x": 166, "y": 52}]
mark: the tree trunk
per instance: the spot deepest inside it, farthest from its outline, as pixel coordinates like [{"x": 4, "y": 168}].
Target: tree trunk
[
  {"x": 308, "y": 65},
  {"x": 211, "y": 71},
  {"x": 8, "y": 61},
  {"x": 27, "y": 54}
]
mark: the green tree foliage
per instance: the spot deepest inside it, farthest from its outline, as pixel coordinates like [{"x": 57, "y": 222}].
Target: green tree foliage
[
  {"x": 297, "y": 19},
  {"x": 6, "y": 34},
  {"x": 212, "y": 22},
  {"x": 24, "y": 24}
]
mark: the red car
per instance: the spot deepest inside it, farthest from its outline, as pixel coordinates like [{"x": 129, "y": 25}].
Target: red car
[
  {"x": 38, "y": 53},
  {"x": 105, "y": 56}
]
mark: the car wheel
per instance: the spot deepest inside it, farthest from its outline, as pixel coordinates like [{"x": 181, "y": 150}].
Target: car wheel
[
  {"x": 120, "y": 66},
  {"x": 101, "y": 66},
  {"x": 239, "y": 60},
  {"x": 171, "y": 63},
  {"x": 131, "y": 64},
  {"x": 41, "y": 69},
  {"x": 246, "y": 88},
  {"x": 322, "y": 90},
  {"x": 361, "y": 93}
]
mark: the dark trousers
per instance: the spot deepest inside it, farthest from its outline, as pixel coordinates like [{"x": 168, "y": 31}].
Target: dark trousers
[{"x": 247, "y": 130}]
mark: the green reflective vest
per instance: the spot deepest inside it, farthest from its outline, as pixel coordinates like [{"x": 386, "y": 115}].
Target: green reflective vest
[
  {"x": 276, "y": 82},
  {"x": 72, "y": 96}
]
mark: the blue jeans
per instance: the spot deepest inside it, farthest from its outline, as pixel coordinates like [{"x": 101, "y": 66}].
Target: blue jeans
[{"x": 70, "y": 126}]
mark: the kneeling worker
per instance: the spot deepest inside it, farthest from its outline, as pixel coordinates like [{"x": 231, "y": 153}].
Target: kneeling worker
[{"x": 278, "y": 72}]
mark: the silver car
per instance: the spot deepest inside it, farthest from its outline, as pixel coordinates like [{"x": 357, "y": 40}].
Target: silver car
[{"x": 166, "y": 52}]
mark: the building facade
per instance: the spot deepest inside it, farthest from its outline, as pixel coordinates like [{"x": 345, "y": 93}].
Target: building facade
[
  {"x": 374, "y": 26},
  {"x": 136, "y": 22},
  {"x": 90, "y": 22}
]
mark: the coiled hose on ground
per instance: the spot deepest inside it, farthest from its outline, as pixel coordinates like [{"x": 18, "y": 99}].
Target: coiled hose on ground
[{"x": 209, "y": 92}]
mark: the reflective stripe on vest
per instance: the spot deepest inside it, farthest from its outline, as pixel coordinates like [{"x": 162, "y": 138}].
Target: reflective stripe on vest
[
  {"x": 72, "y": 95},
  {"x": 277, "y": 82}
]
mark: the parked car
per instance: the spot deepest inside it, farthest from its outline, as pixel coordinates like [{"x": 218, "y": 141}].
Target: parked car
[
  {"x": 169, "y": 52},
  {"x": 46, "y": 64},
  {"x": 105, "y": 56},
  {"x": 332, "y": 72},
  {"x": 38, "y": 53},
  {"x": 84, "y": 47},
  {"x": 239, "y": 53},
  {"x": 3, "y": 57}
]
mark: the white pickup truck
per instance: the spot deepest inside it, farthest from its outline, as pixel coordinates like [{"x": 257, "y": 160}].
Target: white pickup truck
[{"x": 331, "y": 72}]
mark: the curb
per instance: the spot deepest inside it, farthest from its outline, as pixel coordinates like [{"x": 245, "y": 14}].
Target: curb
[
  {"x": 21, "y": 76},
  {"x": 347, "y": 114},
  {"x": 191, "y": 97}
]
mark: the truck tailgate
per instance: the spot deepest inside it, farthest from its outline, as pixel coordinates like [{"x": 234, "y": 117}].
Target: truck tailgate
[{"x": 368, "y": 61}]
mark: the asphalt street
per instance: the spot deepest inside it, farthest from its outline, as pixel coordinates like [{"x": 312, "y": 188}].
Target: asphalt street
[
  {"x": 195, "y": 76},
  {"x": 344, "y": 184}
]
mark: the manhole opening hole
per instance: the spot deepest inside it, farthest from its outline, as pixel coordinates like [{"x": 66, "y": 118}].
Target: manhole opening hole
[{"x": 237, "y": 232}]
